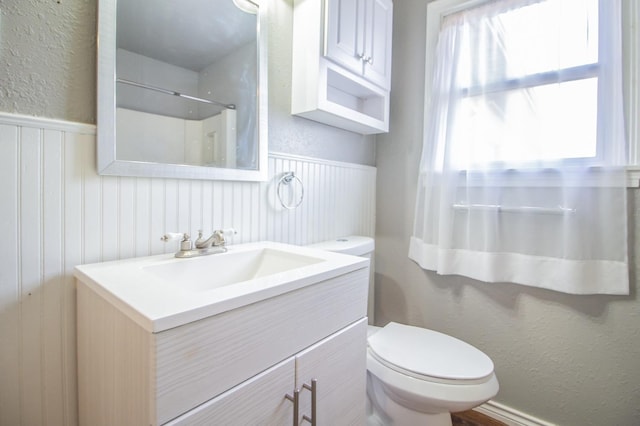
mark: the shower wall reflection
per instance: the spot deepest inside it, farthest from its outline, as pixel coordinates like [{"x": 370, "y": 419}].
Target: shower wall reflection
[{"x": 197, "y": 58}]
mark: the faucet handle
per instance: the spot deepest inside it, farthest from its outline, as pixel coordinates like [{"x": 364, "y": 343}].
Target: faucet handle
[
  {"x": 218, "y": 238},
  {"x": 185, "y": 239},
  {"x": 201, "y": 241},
  {"x": 171, "y": 236},
  {"x": 223, "y": 234}
]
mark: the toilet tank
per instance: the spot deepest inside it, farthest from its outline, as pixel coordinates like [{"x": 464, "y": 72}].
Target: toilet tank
[{"x": 355, "y": 245}]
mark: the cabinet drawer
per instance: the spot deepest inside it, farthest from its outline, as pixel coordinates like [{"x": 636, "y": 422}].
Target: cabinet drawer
[
  {"x": 258, "y": 401},
  {"x": 198, "y": 361}
]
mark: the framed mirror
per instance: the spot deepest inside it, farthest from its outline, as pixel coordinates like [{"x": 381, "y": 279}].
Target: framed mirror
[{"x": 182, "y": 89}]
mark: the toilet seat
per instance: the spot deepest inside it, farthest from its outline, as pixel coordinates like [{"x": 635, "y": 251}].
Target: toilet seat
[{"x": 429, "y": 355}]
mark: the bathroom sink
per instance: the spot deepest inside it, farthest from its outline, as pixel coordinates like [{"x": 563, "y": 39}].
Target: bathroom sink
[
  {"x": 210, "y": 272},
  {"x": 162, "y": 292}
]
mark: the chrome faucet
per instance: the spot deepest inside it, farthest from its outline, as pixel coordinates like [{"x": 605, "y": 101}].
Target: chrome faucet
[{"x": 212, "y": 245}]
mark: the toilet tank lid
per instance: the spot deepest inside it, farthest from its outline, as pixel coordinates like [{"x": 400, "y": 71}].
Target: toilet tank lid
[{"x": 356, "y": 245}]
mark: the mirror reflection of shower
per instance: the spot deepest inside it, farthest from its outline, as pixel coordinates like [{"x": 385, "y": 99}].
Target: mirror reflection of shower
[
  {"x": 180, "y": 102},
  {"x": 218, "y": 148}
]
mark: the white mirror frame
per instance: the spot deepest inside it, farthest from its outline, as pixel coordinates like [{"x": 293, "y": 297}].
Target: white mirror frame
[{"x": 108, "y": 164}]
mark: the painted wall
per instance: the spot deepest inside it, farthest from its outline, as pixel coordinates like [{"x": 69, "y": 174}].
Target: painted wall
[
  {"x": 47, "y": 69},
  {"x": 569, "y": 360}
]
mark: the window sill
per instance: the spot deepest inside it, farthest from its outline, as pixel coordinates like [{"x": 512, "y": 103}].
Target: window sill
[{"x": 544, "y": 179}]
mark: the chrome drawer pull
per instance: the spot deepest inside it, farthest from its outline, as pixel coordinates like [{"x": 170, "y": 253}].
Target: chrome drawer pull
[
  {"x": 314, "y": 397},
  {"x": 296, "y": 404}
]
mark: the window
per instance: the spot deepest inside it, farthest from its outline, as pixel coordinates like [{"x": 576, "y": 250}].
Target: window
[
  {"x": 536, "y": 97},
  {"x": 522, "y": 176},
  {"x": 534, "y": 81}
]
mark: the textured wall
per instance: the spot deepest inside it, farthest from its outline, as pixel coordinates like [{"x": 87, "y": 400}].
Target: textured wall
[
  {"x": 570, "y": 360},
  {"x": 47, "y": 69},
  {"x": 47, "y": 58}
]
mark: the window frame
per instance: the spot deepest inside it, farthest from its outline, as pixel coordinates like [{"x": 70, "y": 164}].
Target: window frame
[{"x": 439, "y": 9}]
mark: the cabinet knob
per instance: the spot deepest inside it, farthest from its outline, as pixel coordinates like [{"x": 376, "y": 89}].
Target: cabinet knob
[{"x": 365, "y": 58}]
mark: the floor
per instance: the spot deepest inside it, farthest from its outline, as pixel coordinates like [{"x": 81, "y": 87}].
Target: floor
[{"x": 474, "y": 418}]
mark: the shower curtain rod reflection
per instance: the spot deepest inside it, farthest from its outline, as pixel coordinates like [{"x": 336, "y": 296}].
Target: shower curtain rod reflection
[{"x": 173, "y": 93}]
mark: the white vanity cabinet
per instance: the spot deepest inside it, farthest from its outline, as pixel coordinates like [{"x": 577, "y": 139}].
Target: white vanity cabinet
[
  {"x": 342, "y": 63},
  {"x": 358, "y": 37},
  {"x": 262, "y": 400},
  {"x": 235, "y": 367},
  {"x": 336, "y": 363}
]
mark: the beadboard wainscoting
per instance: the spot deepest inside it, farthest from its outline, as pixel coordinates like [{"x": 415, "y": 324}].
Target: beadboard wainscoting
[{"x": 56, "y": 212}]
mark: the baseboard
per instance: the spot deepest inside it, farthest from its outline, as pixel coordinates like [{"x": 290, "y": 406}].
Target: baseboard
[{"x": 509, "y": 416}]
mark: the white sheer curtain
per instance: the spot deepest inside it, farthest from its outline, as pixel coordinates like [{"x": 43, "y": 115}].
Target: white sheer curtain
[{"x": 522, "y": 174}]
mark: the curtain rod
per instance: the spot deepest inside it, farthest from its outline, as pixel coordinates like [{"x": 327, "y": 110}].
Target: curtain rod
[{"x": 173, "y": 92}]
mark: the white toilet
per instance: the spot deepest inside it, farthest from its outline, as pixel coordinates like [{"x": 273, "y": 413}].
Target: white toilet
[{"x": 417, "y": 376}]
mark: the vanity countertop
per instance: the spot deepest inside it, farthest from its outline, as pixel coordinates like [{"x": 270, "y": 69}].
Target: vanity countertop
[{"x": 162, "y": 292}]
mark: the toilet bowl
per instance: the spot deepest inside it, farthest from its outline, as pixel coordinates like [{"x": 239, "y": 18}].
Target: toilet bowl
[{"x": 417, "y": 376}]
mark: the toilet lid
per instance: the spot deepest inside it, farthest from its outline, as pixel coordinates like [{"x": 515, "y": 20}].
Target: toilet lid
[{"x": 429, "y": 353}]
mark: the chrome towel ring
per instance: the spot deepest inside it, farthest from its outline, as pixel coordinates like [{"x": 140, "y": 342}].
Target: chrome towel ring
[{"x": 289, "y": 178}]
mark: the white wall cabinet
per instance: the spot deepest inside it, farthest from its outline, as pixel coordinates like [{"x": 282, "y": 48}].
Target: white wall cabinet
[
  {"x": 358, "y": 37},
  {"x": 235, "y": 367},
  {"x": 342, "y": 63}
]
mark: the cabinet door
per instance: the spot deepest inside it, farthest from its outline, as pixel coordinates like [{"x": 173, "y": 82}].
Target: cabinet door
[
  {"x": 258, "y": 401},
  {"x": 377, "y": 42},
  {"x": 345, "y": 33},
  {"x": 338, "y": 363}
]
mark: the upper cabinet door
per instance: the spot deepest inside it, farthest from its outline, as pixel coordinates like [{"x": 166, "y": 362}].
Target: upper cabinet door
[
  {"x": 345, "y": 30},
  {"x": 378, "y": 34},
  {"x": 358, "y": 37}
]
